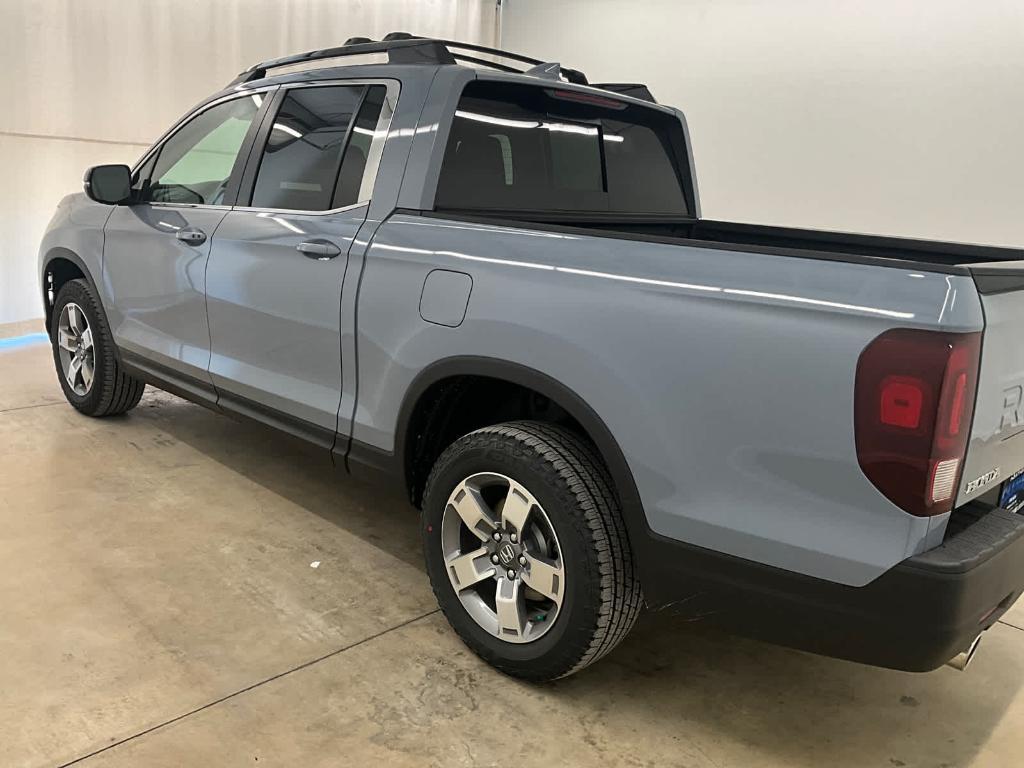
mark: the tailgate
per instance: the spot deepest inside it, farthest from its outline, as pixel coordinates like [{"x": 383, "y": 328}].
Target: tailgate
[{"x": 996, "y": 449}]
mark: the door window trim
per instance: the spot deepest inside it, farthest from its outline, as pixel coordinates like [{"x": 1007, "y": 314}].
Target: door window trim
[
  {"x": 373, "y": 156},
  {"x": 244, "y": 150}
]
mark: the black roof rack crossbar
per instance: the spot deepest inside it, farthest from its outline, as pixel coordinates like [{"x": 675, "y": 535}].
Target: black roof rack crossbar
[{"x": 403, "y": 48}]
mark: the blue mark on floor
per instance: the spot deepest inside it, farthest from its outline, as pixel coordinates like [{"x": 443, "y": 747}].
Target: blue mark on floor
[{"x": 24, "y": 341}]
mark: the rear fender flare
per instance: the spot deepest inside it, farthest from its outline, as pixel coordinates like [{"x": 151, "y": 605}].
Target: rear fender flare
[{"x": 606, "y": 444}]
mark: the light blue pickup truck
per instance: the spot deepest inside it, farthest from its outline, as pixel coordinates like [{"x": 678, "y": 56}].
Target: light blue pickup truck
[{"x": 482, "y": 278}]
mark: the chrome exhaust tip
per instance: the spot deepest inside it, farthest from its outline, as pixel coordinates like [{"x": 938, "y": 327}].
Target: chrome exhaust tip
[{"x": 962, "y": 659}]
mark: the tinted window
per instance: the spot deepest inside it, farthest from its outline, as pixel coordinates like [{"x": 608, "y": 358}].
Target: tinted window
[
  {"x": 526, "y": 148},
  {"x": 352, "y": 188},
  {"x": 299, "y": 169},
  {"x": 194, "y": 164}
]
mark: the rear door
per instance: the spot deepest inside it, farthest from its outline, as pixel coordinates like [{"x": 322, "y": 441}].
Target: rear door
[
  {"x": 280, "y": 257},
  {"x": 995, "y": 454},
  {"x": 156, "y": 250}
]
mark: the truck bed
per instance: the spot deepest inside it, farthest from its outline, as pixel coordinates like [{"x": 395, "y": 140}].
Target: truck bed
[
  {"x": 932, "y": 252},
  {"x": 935, "y": 255}
]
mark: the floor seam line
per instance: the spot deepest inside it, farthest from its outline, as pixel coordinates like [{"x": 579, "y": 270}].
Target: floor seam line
[
  {"x": 240, "y": 691},
  {"x": 29, "y": 407},
  {"x": 1008, "y": 624}
]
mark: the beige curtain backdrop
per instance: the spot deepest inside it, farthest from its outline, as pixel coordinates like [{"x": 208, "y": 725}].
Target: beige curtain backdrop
[
  {"x": 898, "y": 117},
  {"x": 95, "y": 81}
]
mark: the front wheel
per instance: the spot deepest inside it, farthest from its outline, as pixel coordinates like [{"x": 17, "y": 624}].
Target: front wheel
[
  {"x": 84, "y": 355},
  {"x": 526, "y": 550}
]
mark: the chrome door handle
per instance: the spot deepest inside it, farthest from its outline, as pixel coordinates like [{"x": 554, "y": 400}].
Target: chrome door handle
[
  {"x": 191, "y": 236},
  {"x": 318, "y": 249}
]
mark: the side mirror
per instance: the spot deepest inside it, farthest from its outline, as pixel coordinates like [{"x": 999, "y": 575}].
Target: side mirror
[{"x": 109, "y": 184}]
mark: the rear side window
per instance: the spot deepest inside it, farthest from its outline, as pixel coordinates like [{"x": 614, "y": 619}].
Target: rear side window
[
  {"x": 351, "y": 186},
  {"x": 526, "y": 148},
  {"x": 316, "y": 152}
]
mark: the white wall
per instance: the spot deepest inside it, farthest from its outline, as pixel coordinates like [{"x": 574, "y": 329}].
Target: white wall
[
  {"x": 95, "y": 81},
  {"x": 890, "y": 116}
]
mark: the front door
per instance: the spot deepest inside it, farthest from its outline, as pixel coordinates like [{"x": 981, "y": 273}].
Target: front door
[
  {"x": 156, "y": 250},
  {"x": 278, "y": 264}
]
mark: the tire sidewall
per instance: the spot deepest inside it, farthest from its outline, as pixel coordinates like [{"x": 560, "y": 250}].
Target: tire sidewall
[{"x": 569, "y": 638}]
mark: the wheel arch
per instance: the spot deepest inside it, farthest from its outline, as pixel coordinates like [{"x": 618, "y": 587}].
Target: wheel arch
[
  {"x": 590, "y": 423},
  {"x": 63, "y": 265}
]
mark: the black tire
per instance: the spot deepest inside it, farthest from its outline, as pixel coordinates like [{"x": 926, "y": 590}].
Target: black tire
[
  {"x": 602, "y": 597},
  {"x": 112, "y": 390}
]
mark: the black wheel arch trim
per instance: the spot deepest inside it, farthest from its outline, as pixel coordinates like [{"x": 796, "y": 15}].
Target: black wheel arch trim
[
  {"x": 378, "y": 461},
  {"x": 59, "y": 252}
]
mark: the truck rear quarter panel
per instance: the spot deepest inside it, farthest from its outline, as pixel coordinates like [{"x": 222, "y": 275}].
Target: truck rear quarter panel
[{"x": 726, "y": 377}]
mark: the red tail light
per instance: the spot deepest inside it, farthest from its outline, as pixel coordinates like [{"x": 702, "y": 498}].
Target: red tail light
[{"x": 913, "y": 404}]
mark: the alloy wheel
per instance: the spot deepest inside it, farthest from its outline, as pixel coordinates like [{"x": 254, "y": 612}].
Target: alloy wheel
[
  {"x": 502, "y": 557},
  {"x": 75, "y": 345}
]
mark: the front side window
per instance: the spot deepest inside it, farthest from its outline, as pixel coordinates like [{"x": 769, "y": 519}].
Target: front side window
[
  {"x": 526, "y": 148},
  {"x": 317, "y": 149},
  {"x": 194, "y": 165}
]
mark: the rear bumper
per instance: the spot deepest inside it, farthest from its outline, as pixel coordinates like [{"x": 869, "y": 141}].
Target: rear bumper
[{"x": 914, "y": 617}]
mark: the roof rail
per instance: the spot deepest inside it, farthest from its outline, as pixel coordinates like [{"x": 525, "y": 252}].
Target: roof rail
[
  {"x": 404, "y": 48},
  {"x": 406, "y": 51}
]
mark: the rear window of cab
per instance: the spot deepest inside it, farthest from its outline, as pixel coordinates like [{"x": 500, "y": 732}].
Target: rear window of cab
[{"x": 515, "y": 147}]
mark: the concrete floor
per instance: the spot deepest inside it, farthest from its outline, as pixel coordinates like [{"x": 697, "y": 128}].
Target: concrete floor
[{"x": 160, "y": 609}]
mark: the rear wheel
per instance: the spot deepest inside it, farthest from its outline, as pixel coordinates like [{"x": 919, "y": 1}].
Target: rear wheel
[
  {"x": 84, "y": 355},
  {"x": 526, "y": 550}
]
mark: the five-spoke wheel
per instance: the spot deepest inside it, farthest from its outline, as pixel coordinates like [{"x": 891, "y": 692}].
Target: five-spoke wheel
[
  {"x": 526, "y": 549},
  {"x": 75, "y": 348},
  {"x": 502, "y": 557},
  {"x": 84, "y": 354}
]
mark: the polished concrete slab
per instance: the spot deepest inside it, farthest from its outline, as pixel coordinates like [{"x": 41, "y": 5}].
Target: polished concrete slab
[{"x": 162, "y": 608}]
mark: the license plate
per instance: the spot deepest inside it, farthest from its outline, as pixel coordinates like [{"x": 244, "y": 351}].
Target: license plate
[{"x": 1012, "y": 495}]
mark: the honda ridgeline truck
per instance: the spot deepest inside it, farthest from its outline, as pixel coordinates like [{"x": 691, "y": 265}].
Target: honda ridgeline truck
[{"x": 490, "y": 282}]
